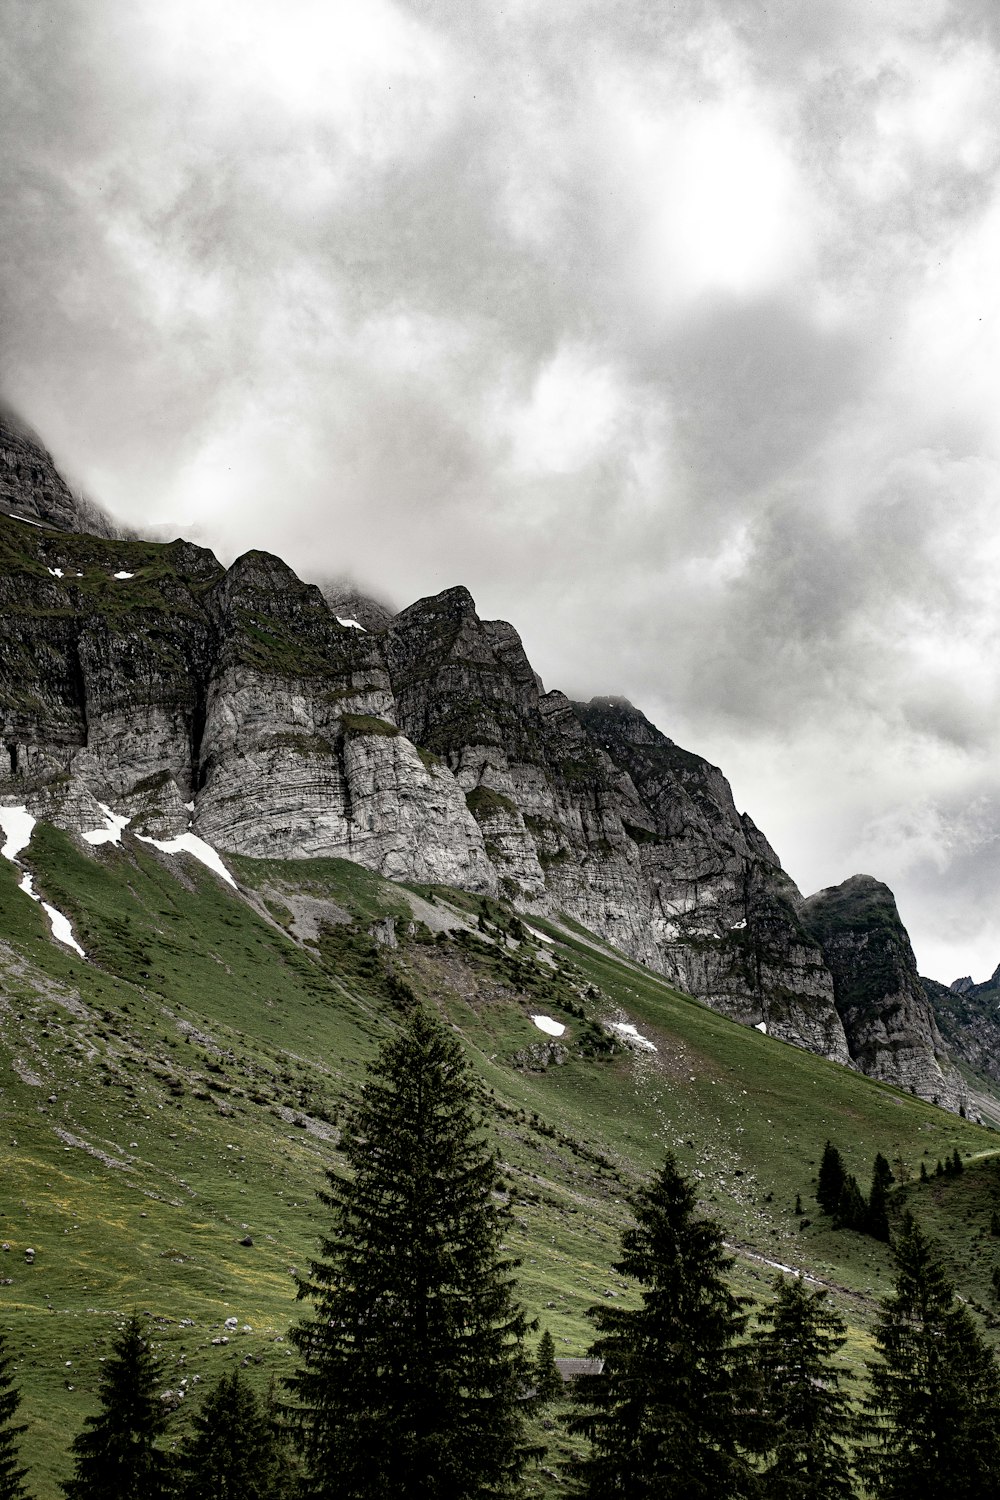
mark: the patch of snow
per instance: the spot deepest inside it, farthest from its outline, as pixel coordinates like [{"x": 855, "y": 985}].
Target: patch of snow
[
  {"x": 26, "y": 521},
  {"x": 189, "y": 807},
  {"x": 631, "y": 1034},
  {"x": 79, "y": 575},
  {"x": 123, "y": 574},
  {"x": 56, "y": 572},
  {"x": 738, "y": 926},
  {"x": 16, "y": 823},
  {"x": 190, "y": 843},
  {"x": 111, "y": 833},
  {"x": 351, "y": 624},
  {"x": 62, "y": 931},
  {"x": 541, "y": 936},
  {"x": 550, "y": 1027},
  {"x": 761, "y": 1026}
]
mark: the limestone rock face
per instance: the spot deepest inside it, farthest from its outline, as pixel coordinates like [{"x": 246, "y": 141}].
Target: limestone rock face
[
  {"x": 968, "y": 1017},
  {"x": 888, "y": 1020},
  {"x": 147, "y": 678},
  {"x": 589, "y": 809},
  {"x": 33, "y": 489}
]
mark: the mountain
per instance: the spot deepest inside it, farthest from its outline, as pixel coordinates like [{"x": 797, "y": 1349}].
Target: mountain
[
  {"x": 968, "y": 1017},
  {"x": 146, "y": 678},
  {"x": 245, "y": 830},
  {"x": 33, "y": 490}
]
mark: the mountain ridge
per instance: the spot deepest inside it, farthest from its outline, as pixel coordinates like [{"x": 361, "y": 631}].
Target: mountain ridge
[{"x": 144, "y": 676}]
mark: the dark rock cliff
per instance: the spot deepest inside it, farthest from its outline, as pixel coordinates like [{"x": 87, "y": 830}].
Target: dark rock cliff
[
  {"x": 147, "y": 678},
  {"x": 968, "y": 1018},
  {"x": 32, "y": 489},
  {"x": 881, "y": 1000}
]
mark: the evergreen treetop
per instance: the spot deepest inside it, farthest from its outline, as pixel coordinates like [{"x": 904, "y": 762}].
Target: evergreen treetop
[
  {"x": 668, "y": 1411},
  {"x": 233, "y": 1450},
  {"x": 116, "y": 1457},
  {"x": 413, "y": 1368},
  {"x": 832, "y": 1176},
  {"x": 547, "y": 1380},
  {"x": 805, "y": 1417},
  {"x": 935, "y": 1388},
  {"x": 12, "y": 1474}
]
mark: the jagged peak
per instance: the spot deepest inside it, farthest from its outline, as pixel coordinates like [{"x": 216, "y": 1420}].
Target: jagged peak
[
  {"x": 32, "y": 488},
  {"x": 451, "y": 603}
]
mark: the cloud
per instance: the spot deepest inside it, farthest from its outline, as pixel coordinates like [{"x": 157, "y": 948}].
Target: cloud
[{"x": 672, "y": 332}]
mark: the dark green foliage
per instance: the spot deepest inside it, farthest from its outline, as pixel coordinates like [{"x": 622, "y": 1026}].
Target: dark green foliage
[
  {"x": 923, "y": 1172},
  {"x": 11, "y": 1473},
  {"x": 234, "y": 1450},
  {"x": 832, "y": 1177},
  {"x": 995, "y": 1225},
  {"x": 852, "y": 1210},
  {"x": 957, "y": 1165},
  {"x": 546, "y": 1379},
  {"x": 995, "y": 1282},
  {"x": 116, "y": 1457},
  {"x": 667, "y": 1413},
  {"x": 935, "y": 1388},
  {"x": 877, "y": 1216},
  {"x": 798, "y": 1205},
  {"x": 414, "y": 1369},
  {"x": 806, "y": 1421}
]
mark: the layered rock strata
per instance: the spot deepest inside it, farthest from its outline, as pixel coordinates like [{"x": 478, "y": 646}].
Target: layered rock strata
[
  {"x": 887, "y": 1015},
  {"x": 149, "y": 679}
]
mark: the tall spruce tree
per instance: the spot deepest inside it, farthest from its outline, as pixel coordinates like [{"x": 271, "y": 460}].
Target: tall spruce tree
[
  {"x": 234, "y": 1449},
  {"x": 546, "y": 1378},
  {"x": 414, "y": 1370},
  {"x": 832, "y": 1176},
  {"x": 806, "y": 1420},
  {"x": 877, "y": 1215},
  {"x": 116, "y": 1455},
  {"x": 935, "y": 1388},
  {"x": 12, "y": 1475},
  {"x": 669, "y": 1409}
]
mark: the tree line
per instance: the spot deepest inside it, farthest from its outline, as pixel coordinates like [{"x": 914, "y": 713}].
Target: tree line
[{"x": 415, "y": 1377}]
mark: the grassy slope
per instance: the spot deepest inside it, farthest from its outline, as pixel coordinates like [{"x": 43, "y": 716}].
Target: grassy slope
[{"x": 181, "y": 1090}]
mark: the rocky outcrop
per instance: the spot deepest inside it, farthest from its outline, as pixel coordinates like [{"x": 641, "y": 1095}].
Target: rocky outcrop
[
  {"x": 147, "y": 678},
  {"x": 32, "y": 489},
  {"x": 589, "y": 809},
  {"x": 888, "y": 1020},
  {"x": 968, "y": 1018}
]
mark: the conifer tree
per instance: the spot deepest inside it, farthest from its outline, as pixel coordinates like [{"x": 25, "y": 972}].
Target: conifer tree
[
  {"x": 547, "y": 1380},
  {"x": 852, "y": 1210},
  {"x": 234, "y": 1450},
  {"x": 877, "y": 1215},
  {"x": 668, "y": 1411},
  {"x": 806, "y": 1421},
  {"x": 116, "y": 1457},
  {"x": 935, "y": 1388},
  {"x": 414, "y": 1371},
  {"x": 12, "y": 1475},
  {"x": 832, "y": 1177}
]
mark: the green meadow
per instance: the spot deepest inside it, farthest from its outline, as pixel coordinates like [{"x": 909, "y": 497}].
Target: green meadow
[{"x": 178, "y": 1093}]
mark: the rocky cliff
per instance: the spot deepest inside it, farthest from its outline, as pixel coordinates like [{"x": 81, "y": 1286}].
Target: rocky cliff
[
  {"x": 968, "y": 1018},
  {"x": 32, "y": 488},
  {"x": 879, "y": 995},
  {"x": 149, "y": 679}
]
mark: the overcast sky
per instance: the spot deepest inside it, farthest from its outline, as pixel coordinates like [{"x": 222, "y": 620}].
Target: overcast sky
[{"x": 671, "y": 330}]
